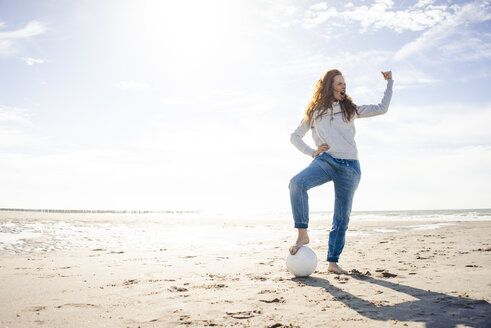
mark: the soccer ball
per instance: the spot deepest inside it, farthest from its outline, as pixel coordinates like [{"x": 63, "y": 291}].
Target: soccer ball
[{"x": 303, "y": 263}]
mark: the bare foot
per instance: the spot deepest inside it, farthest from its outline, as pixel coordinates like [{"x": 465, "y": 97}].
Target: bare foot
[
  {"x": 303, "y": 239},
  {"x": 335, "y": 268}
]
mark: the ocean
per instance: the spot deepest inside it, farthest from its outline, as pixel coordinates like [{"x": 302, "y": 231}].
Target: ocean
[{"x": 28, "y": 231}]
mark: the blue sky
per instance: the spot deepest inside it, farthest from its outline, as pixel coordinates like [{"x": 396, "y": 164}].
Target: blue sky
[{"x": 190, "y": 104}]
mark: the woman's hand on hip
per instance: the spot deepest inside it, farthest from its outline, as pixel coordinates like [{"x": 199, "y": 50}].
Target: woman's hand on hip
[
  {"x": 322, "y": 148},
  {"x": 387, "y": 75}
]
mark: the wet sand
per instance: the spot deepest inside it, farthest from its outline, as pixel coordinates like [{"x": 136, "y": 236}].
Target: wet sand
[{"x": 401, "y": 275}]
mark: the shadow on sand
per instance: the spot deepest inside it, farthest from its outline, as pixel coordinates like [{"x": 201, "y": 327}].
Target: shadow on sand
[{"x": 434, "y": 309}]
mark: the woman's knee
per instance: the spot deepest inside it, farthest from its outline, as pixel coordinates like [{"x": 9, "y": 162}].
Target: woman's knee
[{"x": 296, "y": 183}]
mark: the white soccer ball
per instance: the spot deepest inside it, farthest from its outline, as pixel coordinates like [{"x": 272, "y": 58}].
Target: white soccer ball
[{"x": 303, "y": 263}]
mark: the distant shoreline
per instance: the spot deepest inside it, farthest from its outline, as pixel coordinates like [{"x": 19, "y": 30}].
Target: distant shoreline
[
  {"x": 96, "y": 211},
  {"x": 201, "y": 211}
]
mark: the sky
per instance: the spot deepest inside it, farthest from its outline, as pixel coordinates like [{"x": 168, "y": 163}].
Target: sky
[{"x": 189, "y": 105}]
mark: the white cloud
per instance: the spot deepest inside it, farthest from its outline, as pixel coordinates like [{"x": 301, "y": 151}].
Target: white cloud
[
  {"x": 320, "y": 17},
  {"x": 466, "y": 49},
  {"x": 132, "y": 85},
  {"x": 412, "y": 77},
  {"x": 7, "y": 38},
  {"x": 31, "y": 61},
  {"x": 423, "y": 3},
  {"x": 443, "y": 36},
  {"x": 32, "y": 28},
  {"x": 319, "y": 6},
  {"x": 379, "y": 15},
  {"x": 13, "y": 115}
]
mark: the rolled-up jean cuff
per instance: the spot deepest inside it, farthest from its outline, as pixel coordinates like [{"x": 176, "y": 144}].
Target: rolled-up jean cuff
[
  {"x": 301, "y": 225},
  {"x": 332, "y": 259}
]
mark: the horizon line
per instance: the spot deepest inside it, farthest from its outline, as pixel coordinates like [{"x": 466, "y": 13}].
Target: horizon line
[{"x": 120, "y": 211}]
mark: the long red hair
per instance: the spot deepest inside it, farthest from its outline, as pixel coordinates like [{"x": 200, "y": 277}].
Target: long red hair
[{"x": 323, "y": 98}]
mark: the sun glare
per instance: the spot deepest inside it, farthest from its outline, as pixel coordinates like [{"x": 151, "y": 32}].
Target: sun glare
[{"x": 189, "y": 34}]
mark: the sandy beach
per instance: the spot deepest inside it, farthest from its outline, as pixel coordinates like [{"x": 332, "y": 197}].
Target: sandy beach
[{"x": 146, "y": 273}]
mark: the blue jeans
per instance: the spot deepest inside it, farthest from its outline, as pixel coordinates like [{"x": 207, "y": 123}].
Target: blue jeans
[{"x": 345, "y": 174}]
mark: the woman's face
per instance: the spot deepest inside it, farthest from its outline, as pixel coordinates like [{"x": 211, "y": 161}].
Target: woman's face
[{"x": 339, "y": 86}]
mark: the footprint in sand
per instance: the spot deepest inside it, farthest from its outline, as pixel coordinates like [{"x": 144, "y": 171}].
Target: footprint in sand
[
  {"x": 386, "y": 274},
  {"x": 37, "y": 308},
  {"x": 209, "y": 323},
  {"x": 274, "y": 300},
  {"x": 342, "y": 280},
  {"x": 130, "y": 282},
  {"x": 177, "y": 289},
  {"x": 244, "y": 314},
  {"x": 355, "y": 272},
  {"x": 280, "y": 325},
  {"x": 79, "y": 305},
  {"x": 254, "y": 277},
  {"x": 184, "y": 319},
  {"x": 215, "y": 286},
  {"x": 216, "y": 276}
]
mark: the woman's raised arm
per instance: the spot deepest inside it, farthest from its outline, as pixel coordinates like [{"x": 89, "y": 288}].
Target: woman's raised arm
[{"x": 383, "y": 106}]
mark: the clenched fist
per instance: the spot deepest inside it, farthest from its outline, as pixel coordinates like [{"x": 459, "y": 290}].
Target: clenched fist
[{"x": 387, "y": 75}]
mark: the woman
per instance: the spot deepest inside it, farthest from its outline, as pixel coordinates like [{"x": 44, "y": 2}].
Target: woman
[{"x": 330, "y": 115}]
